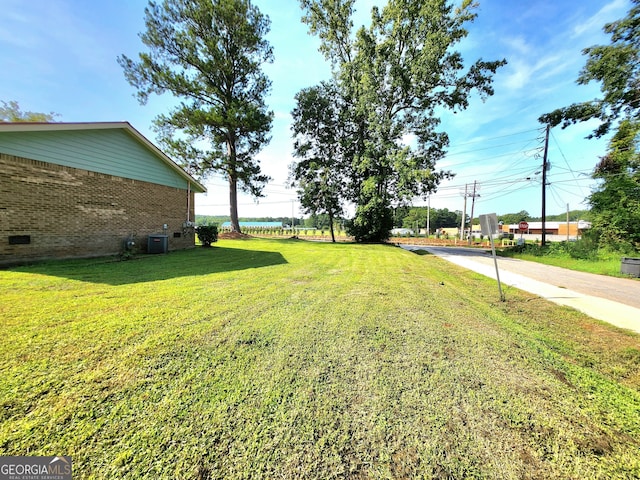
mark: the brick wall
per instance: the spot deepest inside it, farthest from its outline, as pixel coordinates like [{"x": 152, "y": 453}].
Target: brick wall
[{"x": 67, "y": 212}]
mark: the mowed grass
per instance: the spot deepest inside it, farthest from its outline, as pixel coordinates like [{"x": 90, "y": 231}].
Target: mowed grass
[
  {"x": 606, "y": 264},
  {"x": 291, "y": 359}
]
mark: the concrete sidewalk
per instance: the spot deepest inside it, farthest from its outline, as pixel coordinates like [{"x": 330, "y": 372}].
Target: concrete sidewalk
[{"x": 613, "y": 312}]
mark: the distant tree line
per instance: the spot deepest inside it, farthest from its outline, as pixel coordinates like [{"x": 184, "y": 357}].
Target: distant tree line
[
  {"x": 320, "y": 221},
  {"x": 412, "y": 217},
  {"x": 220, "y": 219},
  {"x": 574, "y": 216},
  {"x": 404, "y": 217}
]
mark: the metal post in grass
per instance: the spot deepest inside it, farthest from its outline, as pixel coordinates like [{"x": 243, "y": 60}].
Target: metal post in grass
[{"x": 489, "y": 226}]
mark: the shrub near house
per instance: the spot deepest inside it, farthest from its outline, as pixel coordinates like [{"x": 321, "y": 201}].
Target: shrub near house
[{"x": 207, "y": 234}]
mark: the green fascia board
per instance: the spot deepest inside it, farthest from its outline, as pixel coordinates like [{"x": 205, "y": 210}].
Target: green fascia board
[{"x": 112, "y": 148}]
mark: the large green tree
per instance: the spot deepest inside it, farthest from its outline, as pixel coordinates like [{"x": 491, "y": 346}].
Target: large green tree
[
  {"x": 318, "y": 172},
  {"x": 209, "y": 54},
  {"x": 11, "y": 112},
  {"x": 393, "y": 76},
  {"x": 615, "y": 203},
  {"x": 616, "y": 67}
]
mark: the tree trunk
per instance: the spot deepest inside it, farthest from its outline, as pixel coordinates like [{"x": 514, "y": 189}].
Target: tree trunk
[
  {"x": 233, "y": 203},
  {"x": 333, "y": 236},
  {"x": 233, "y": 186}
]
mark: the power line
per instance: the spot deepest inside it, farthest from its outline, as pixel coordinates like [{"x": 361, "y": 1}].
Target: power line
[
  {"x": 479, "y": 160},
  {"x": 556, "y": 197},
  {"x": 568, "y": 192},
  {"x": 484, "y": 148},
  {"x": 244, "y": 204},
  {"x": 498, "y": 180},
  {"x": 500, "y": 136},
  {"x": 565, "y": 159},
  {"x": 502, "y": 193},
  {"x": 506, "y": 180}
]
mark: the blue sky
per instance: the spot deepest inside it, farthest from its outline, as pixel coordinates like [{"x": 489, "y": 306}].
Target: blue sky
[{"x": 60, "y": 56}]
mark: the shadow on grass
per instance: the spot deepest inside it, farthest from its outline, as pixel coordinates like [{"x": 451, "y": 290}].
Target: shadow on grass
[{"x": 151, "y": 268}]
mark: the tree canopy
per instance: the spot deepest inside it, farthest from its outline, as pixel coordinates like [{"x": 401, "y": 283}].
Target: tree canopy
[
  {"x": 510, "y": 218},
  {"x": 209, "y": 54},
  {"x": 11, "y": 112},
  {"x": 389, "y": 79},
  {"x": 615, "y": 203},
  {"x": 318, "y": 174}
]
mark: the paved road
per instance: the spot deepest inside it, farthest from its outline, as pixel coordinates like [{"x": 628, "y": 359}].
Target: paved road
[{"x": 614, "y": 300}]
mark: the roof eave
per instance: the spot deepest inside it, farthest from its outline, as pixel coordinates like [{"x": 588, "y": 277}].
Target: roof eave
[{"x": 195, "y": 185}]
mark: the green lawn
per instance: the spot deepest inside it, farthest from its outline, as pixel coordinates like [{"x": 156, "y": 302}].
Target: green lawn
[
  {"x": 602, "y": 263},
  {"x": 608, "y": 266},
  {"x": 290, "y": 359}
]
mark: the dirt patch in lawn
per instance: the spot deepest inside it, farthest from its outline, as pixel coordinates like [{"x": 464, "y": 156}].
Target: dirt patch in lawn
[{"x": 233, "y": 236}]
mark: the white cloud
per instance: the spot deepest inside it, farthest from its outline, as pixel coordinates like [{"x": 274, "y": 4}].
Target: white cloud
[
  {"x": 519, "y": 75},
  {"x": 519, "y": 45},
  {"x": 595, "y": 23},
  {"x": 525, "y": 69}
]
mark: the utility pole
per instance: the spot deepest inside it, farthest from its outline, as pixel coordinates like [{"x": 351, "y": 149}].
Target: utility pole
[
  {"x": 567, "y": 223},
  {"x": 545, "y": 166},
  {"x": 473, "y": 203},
  {"x": 464, "y": 214}
]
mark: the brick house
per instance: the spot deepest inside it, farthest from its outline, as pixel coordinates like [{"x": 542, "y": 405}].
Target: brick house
[{"x": 86, "y": 189}]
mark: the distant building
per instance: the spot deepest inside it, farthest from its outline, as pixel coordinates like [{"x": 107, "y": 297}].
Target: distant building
[
  {"x": 573, "y": 229},
  {"x": 85, "y": 189},
  {"x": 449, "y": 231},
  {"x": 555, "y": 231}
]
